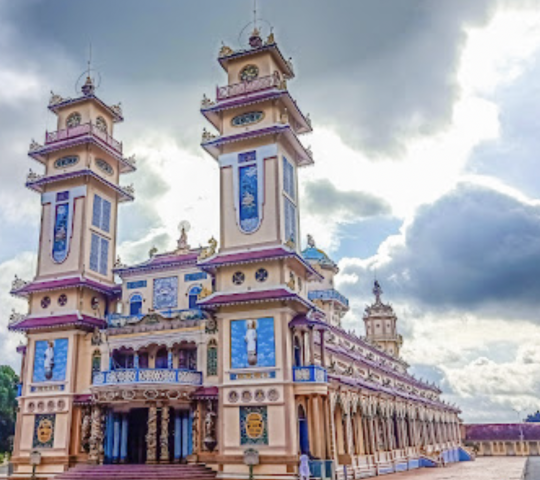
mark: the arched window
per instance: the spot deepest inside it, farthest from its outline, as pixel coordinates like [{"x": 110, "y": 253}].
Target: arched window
[
  {"x": 162, "y": 358},
  {"x": 211, "y": 358},
  {"x": 135, "y": 304},
  {"x": 96, "y": 363},
  {"x": 194, "y": 296}
]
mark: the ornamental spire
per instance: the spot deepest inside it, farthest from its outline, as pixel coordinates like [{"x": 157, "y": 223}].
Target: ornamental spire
[{"x": 377, "y": 291}]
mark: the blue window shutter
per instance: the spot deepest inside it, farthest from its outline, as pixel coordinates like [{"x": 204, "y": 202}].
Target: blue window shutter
[
  {"x": 96, "y": 213},
  {"x": 106, "y": 215},
  {"x": 104, "y": 256},
  {"x": 288, "y": 179},
  {"x": 94, "y": 253},
  {"x": 290, "y": 221}
]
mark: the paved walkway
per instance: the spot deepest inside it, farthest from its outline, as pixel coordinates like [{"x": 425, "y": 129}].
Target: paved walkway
[
  {"x": 484, "y": 468},
  {"x": 533, "y": 469}
]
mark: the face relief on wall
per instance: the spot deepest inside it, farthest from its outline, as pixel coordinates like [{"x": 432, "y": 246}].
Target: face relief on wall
[
  {"x": 50, "y": 360},
  {"x": 253, "y": 343}
]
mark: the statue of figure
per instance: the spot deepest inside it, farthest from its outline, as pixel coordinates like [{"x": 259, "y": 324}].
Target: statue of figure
[
  {"x": 310, "y": 241},
  {"x": 152, "y": 251},
  {"x": 251, "y": 341},
  {"x": 209, "y": 428},
  {"x": 49, "y": 360},
  {"x": 86, "y": 427},
  {"x": 182, "y": 241}
]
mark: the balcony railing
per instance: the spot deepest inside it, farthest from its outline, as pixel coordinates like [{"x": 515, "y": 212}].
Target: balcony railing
[
  {"x": 329, "y": 294},
  {"x": 310, "y": 374},
  {"x": 81, "y": 130},
  {"x": 119, "y": 320},
  {"x": 244, "y": 88},
  {"x": 148, "y": 375}
]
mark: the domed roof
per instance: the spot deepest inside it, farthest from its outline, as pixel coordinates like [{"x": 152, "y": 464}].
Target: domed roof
[{"x": 316, "y": 255}]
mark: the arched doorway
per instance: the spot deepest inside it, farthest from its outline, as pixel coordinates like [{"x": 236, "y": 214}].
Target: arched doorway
[
  {"x": 194, "y": 296},
  {"x": 303, "y": 432}
]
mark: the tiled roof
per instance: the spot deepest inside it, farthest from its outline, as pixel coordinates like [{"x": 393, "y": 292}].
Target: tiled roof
[
  {"x": 34, "y": 323},
  {"x": 502, "y": 431}
]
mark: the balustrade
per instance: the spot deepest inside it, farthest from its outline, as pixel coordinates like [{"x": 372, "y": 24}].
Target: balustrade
[
  {"x": 81, "y": 130},
  {"x": 329, "y": 294},
  {"x": 148, "y": 375},
  {"x": 310, "y": 373},
  {"x": 243, "y": 88}
]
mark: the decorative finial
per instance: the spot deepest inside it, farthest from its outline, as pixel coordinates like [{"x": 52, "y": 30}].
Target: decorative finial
[
  {"x": 310, "y": 241},
  {"x": 152, "y": 252},
  {"x": 377, "y": 291},
  {"x": 183, "y": 227},
  {"x": 88, "y": 88}
]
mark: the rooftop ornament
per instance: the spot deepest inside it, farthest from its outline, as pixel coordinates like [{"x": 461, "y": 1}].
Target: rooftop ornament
[
  {"x": 117, "y": 109},
  {"x": 152, "y": 252},
  {"x": 55, "y": 99},
  {"x": 118, "y": 263},
  {"x": 34, "y": 146},
  {"x": 183, "y": 228},
  {"x": 131, "y": 160},
  {"x": 15, "y": 317},
  {"x": 18, "y": 283}
]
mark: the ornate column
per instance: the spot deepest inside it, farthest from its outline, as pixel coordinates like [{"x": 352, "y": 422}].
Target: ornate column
[
  {"x": 323, "y": 348},
  {"x": 311, "y": 346},
  {"x": 116, "y": 438},
  {"x": 151, "y": 435},
  {"x": 164, "y": 437},
  {"x": 96, "y": 436},
  {"x": 348, "y": 423},
  {"x": 170, "y": 359}
]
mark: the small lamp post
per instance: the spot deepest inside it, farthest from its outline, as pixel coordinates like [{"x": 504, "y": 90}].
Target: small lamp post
[
  {"x": 521, "y": 436},
  {"x": 251, "y": 458},
  {"x": 35, "y": 460}
]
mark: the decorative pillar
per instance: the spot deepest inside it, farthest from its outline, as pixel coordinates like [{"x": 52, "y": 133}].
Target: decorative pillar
[
  {"x": 151, "y": 436},
  {"x": 136, "y": 360},
  {"x": 124, "y": 443},
  {"x": 164, "y": 437},
  {"x": 116, "y": 439},
  {"x": 323, "y": 348},
  {"x": 348, "y": 424},
  {"x": 111, "y": 363},
  {"x": 170, "y": 359},
  {"x": 96, "y": 436},
  {"x": 177, "y": 436},
  {"x": 311, "y": 347},
  {"x": 109, "y": 434}
]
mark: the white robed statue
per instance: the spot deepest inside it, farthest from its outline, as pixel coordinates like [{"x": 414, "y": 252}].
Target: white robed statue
[
  {"x": 49, "y": 360},
  {"x": 304, "y": 467},
  {"x": 251, "y": 341}
]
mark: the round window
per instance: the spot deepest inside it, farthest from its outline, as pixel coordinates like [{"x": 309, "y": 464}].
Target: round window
[
  {"x": 45, "y": 302},
  {"x": 73, "y": 120},
  {"x": 95, "y": 303},
  {"x": 261, "y": 275},
  {"x": 101, "y": 124},
  {"x": 62, "y": 299},
  {"x": 238, "y": 278}
]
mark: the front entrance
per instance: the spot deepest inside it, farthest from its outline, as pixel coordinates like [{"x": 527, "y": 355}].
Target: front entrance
[{"x": 137, "y": 427}]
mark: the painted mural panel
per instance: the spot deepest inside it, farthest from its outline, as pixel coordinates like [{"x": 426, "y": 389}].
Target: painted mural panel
[
  {"x": 44, "y": 426},
  {"x": 60, "y": 234},
  {"x": 249, "y": 201},
  {"x": 253, "y": 343},
  {"x": 253, "y": 426},
  {"x": 50, "y": 360},
  {"x": 165, "y": 292}
]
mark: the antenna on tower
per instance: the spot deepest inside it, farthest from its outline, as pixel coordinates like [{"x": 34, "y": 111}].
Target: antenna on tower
[
  {"x": 255, "y": 13},
  {"x": 89, "y": 85}
]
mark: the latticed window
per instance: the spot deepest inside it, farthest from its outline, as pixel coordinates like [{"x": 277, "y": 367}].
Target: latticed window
[{"x": 212, "y": 360}]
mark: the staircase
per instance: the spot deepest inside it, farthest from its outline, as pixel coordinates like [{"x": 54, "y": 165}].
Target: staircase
[{"x": 138, "y": 472}]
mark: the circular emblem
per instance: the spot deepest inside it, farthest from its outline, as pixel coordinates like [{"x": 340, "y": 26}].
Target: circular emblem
[
  {"x": 73, "y": 120},
  {"x": 246, "y": 396},
  {"x": 273, "y": 395},
  {"x": 254, "y": 425},
  {"x": 233, "y": 396},
  {"x": 62, "y": 300},
  {"x": 249, "y": 73},
  {"x": 45, "y": 431},
  {"x": 45, "y": 302},
  {"x": 259, "y": 395}
]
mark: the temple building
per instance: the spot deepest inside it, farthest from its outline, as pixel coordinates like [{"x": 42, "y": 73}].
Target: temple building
[{"x": 212, "y": 361}]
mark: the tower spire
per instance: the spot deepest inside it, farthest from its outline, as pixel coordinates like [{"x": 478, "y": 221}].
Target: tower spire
[{"x": 88, "y": 87}]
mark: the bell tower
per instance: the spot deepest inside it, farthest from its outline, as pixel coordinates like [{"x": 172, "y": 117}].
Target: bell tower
[
  {"x": 260, "y": 276},
  {"x": 381, "y": 324},
  {"x": 74, "y": 288}
]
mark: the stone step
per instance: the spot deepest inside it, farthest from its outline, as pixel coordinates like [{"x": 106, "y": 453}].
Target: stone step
[{"x": 138, "y": 472}]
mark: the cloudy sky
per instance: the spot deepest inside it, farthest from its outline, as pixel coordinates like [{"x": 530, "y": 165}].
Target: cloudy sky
[{"x": 426, "y": 139}]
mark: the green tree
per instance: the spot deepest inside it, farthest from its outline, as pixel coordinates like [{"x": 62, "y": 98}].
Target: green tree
[{"x": 8, "y": 406}]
